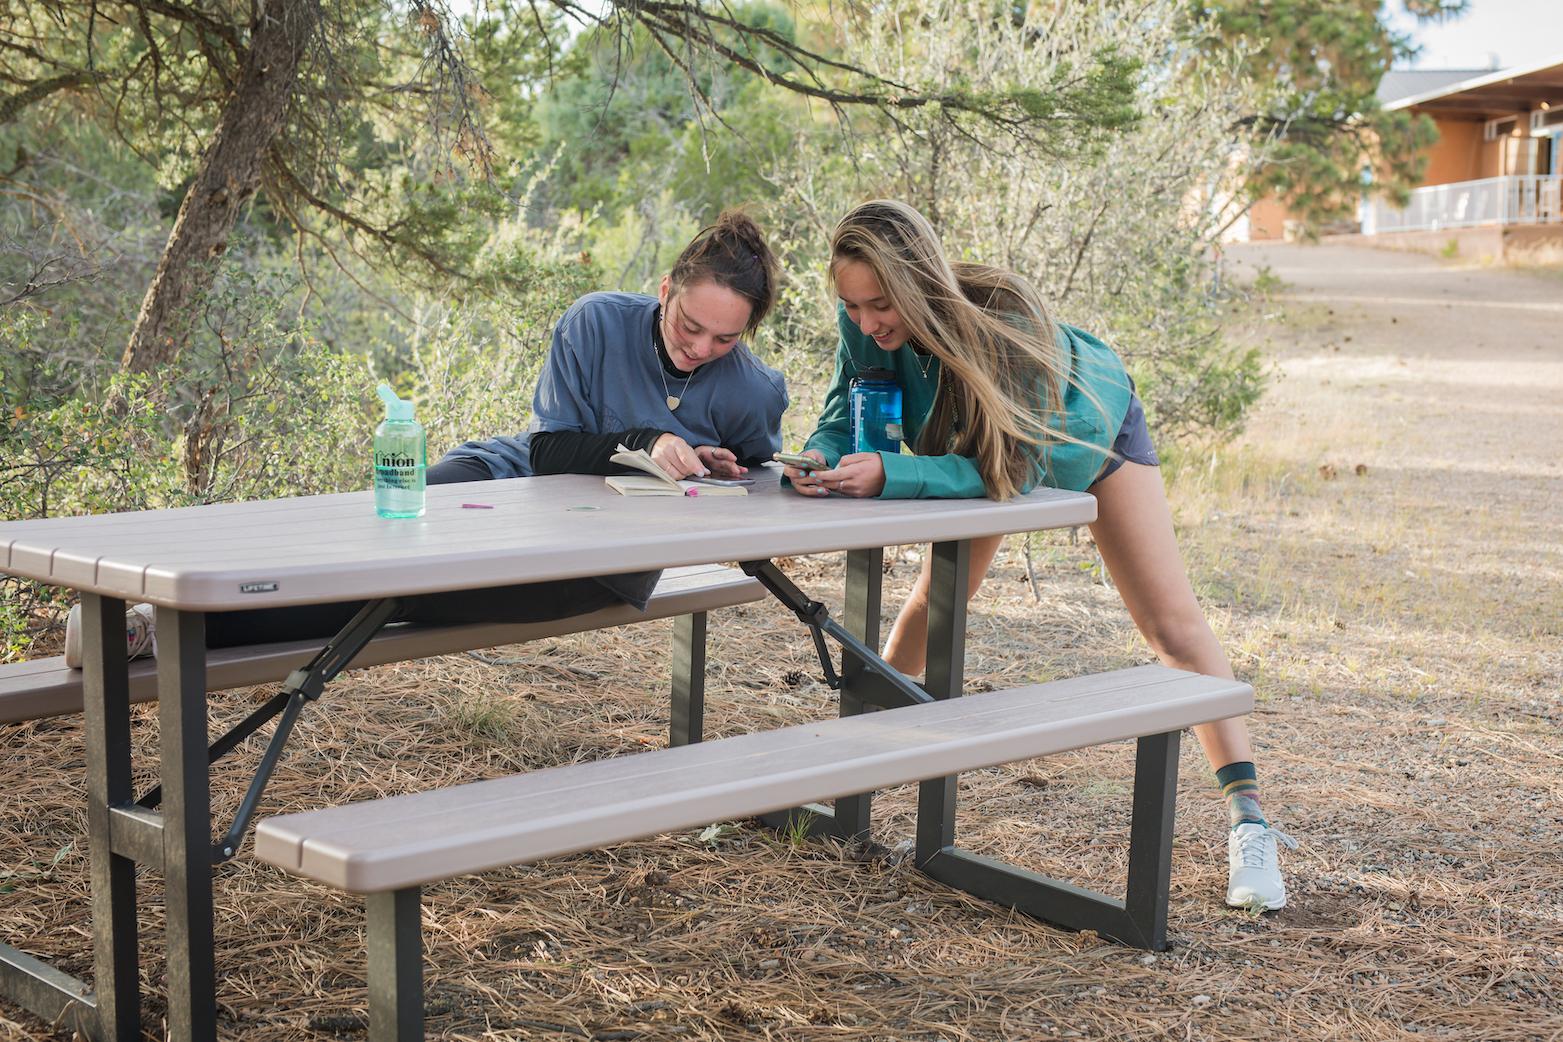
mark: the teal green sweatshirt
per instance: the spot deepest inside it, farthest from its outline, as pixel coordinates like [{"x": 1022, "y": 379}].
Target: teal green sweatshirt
[{"x": 1062, "y": 465}]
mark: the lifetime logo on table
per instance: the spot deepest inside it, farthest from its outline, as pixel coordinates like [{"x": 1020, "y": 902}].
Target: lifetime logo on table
[{"x": 257, "y": 587}]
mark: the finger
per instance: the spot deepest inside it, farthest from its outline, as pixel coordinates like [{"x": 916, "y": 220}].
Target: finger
[
  {"x": 806, "y": 487},
  {"x": 838, "y": 481},
  {"x": 805, "y": 481},
  {"x": 689, "y": 460}
]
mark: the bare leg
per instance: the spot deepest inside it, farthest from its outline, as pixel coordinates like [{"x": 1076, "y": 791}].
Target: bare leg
[
  {"x": 907, "y": 648},
  {"x": 1134, "y": 533}
]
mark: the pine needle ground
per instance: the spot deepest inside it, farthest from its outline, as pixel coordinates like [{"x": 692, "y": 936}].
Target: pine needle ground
[{"x": 1402, "y": 627}]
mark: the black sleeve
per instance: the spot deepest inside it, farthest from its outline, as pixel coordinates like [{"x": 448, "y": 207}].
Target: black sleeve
[{"x": 576, "y": 452}]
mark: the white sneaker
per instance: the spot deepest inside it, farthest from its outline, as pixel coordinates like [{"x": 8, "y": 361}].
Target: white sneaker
[
  {"x": 1254, "y": 869},
  {"x": 140, "y": 633}
]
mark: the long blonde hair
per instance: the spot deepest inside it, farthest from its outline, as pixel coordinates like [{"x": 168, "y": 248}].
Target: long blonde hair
[{"x": 1003, "y": 371}]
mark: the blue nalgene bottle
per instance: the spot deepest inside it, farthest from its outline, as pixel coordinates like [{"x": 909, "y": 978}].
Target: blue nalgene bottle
[
  {"x": 400, "y": 458},
  {"x": 875, "y": 406}
]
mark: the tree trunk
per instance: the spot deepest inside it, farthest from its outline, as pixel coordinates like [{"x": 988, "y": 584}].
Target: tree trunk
[{"x": 229, "y": 175}]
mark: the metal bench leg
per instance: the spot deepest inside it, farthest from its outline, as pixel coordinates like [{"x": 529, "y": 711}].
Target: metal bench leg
[
  {"x": 1150, "y": 837},
  {"x": 689, "y": 679},
  {"x": 1139, "y": 920},
  {"x": 395, "y": 965}
]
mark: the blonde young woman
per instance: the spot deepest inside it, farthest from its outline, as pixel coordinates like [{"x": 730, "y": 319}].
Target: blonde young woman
[{"x": 997, "y": 399}]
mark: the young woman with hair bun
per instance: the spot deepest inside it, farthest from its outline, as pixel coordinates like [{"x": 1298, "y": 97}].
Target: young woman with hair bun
[
  {"x": 666, "y": 373},
  {"x": 999, "y": 398}
]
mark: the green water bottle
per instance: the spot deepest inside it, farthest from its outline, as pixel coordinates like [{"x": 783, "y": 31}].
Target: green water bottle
[{"x": 400, "y": 459}]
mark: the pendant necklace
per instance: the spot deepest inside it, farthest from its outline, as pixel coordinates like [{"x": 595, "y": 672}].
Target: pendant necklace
[
  {"x": 955, "y": 409},
  {"x": 673, "y": 400}
]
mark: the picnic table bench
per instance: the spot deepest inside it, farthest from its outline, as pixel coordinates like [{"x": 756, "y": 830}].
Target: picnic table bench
[{"x": 389, "y": 848}]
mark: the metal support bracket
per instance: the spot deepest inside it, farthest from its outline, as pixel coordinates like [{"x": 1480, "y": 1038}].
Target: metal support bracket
[
  {"x": 304, "y": 684},
  {"x": 817, "y": 618}
]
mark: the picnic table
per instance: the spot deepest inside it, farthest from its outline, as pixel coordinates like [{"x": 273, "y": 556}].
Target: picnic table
[{"x": 316, "y": 549}]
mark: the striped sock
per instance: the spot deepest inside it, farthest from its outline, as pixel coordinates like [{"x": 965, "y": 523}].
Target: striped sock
[{"x": 1240, "y": 786}]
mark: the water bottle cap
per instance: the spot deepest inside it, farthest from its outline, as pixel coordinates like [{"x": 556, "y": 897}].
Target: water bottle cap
[
  {"x": 876, "y": 375},
  {"x": 395, "y": 408}
]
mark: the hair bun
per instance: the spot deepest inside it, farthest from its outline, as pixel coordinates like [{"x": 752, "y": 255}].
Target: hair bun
[{"x": 732, "y": 253}]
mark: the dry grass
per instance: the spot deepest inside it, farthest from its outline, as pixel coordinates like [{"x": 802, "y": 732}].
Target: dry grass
[
  {"x": 1402, "y": 628},
  {"x": 1546, "y": 257}
]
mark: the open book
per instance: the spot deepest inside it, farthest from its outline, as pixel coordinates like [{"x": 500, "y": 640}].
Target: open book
[{"x": 654, "y": 481}]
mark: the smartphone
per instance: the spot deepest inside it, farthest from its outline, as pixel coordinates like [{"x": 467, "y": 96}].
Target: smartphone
[
  {"x": 795, "y": 459},
  {"x": 729, "y": 482}
]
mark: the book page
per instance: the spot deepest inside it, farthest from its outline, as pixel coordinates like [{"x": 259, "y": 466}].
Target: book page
[{"x": 642, "y": 461}]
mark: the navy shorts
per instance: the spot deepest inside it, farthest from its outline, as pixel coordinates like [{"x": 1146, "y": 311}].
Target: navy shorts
[{"x": 1134, "y": 440}]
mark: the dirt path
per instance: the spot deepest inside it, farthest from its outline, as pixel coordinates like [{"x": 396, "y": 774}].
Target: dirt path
[
  {"x": 1403, "y": 628},
  {"x": 1446, "y": 384}
]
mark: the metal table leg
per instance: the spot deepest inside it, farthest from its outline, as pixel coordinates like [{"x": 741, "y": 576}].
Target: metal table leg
[
  {"x": 866, "y": 680},
  {"x": 1141, "y": 918},
  {"x": 865, "y": 582},
  {"x": 688, "y": 708},
  {"x": 187, "y": 823},
  {"x": 946, "y": 678},
  {"x": 106, "y": 704},
  {"x": 112, "y": 1013}
]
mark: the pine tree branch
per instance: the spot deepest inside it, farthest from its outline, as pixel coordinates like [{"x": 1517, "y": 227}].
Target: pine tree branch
[
  {"x": 385, "y": 235},
  {"x": 883, "y": 94},
  {"x": 11, "y": 105}
]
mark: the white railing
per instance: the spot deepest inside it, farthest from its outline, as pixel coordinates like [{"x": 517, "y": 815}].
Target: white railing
[{"x": 1526, "y": 199}]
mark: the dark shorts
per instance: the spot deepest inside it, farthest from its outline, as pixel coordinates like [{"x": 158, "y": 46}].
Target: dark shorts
[{"x": 1133, "y": 443}]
